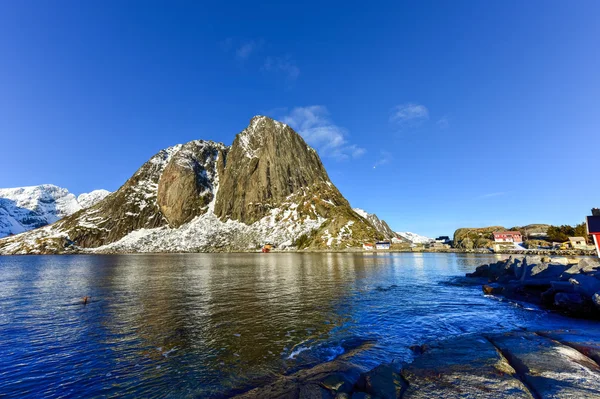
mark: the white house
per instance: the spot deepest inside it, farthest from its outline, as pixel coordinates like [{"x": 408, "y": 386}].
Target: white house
[{"x": 383, "y": 245}]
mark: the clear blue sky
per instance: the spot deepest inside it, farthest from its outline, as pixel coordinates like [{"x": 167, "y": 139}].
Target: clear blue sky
[{"x": 434, "y": 115}]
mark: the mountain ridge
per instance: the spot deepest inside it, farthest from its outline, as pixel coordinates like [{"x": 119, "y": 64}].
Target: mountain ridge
[{"x": 268, "y": 186}]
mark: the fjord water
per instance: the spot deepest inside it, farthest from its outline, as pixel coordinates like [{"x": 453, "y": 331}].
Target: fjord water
[{"x": 209, "y": 325}]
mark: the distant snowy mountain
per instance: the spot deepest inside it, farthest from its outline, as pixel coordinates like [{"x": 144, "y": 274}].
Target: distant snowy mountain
[
  {"x": 87, "y": 200},
  {"x": 414, "y": 238},
  {"x": 26, "y": 208}
]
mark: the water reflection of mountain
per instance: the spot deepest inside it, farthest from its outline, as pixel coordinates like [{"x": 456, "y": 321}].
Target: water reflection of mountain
[
  {"x": 245, "y": 316},
  {"x": 204, "y": 324}
]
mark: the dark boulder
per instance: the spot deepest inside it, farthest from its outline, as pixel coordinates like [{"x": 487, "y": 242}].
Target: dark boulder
[
  {"x": 570, "y": 302},
  {"x": 585, "y": 285},
  {"x": 492, "y": 289},
  {"x": 383, "y": 382}
]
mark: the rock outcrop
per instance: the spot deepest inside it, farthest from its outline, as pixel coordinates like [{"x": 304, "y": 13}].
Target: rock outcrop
[
  {"x": 481, "y": 237},
  {"x": 187, "y": 185},
  {"x": 566, "y": 284},
  {"x": 269, "y": 186},
  {"x": 517, "y": 364}
]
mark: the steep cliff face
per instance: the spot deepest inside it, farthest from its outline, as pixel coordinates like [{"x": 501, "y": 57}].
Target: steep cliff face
[
  {"x": 268, "y": 161},
  {"x": 269, "y": 186},
  {"x": 188, "y": 183}
]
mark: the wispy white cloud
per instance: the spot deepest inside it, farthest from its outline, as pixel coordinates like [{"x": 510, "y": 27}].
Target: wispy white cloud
[
  {"x": 409, "y": 113},
  {"x": 491, "y": 195},
  {"x": 244, "y": 51},
  {"x": 248, "y": 53},
  {"x": 285, "y": 65},
  {"x": 384, "y": 158},
  {"x": 443, "y": 122},
  {"x": 315, "y": 126}
]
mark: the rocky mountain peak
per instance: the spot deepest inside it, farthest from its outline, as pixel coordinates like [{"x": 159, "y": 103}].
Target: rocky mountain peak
[{"x": 268, "y": 162}]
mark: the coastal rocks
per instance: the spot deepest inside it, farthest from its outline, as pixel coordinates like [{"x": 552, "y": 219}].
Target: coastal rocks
[
  {"x": 492, "y": 289},
  {"x": 335, "y": 379},
  {"x": 572, "y": 302},
  {"x": 596, "y": 300},
  {"x": 384, "y": 382},
  {"x": 549, "y": 368},
  {"x": 588, "y": 342},
  {"x": 589, "y": 265},
  {"x": 585, "y": 285},
  {"x": 561, "y": 283},
  {"x": 522, "y": 365},
  {"x": 467, "y": 367}
]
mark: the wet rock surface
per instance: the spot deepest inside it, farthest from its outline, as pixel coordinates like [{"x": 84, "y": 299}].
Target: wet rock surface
[
  {"x": 521, "y": 364},
  {"x": 549, "y": 368},
  {"x": 469, "y": 367}
]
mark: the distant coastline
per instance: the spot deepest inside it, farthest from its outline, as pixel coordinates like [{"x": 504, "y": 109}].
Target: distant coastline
[{"x": 541, "y": 252}]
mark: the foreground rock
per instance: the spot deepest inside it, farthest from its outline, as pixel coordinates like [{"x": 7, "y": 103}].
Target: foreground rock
[
  {"x": 463, "y": 368},
  {"x": 570, "y": 285},
  {"x": 328, "y": 380},
  {"x": 529, "y": 365},
  {"x": 549, "y": 368}
]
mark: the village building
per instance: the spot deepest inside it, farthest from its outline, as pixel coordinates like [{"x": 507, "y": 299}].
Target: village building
[
  {"x": 368, "y": 247},
  {"x": 443, "y": 240},
  {"x": 508, "y": 236},
  {"x": 383, "y": 245},
  {"x": 578, "y": 243}
]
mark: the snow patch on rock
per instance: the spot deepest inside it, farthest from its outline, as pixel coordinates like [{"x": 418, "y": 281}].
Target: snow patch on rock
[{"x": 87, "y": 200}]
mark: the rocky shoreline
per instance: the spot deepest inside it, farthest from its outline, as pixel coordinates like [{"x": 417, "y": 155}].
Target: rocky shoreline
[
  {"x": 518, "y": 364},
  {"x": 568, "y": 285}
]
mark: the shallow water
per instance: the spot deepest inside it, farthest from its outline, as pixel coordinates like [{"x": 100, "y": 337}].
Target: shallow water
[{"x": 207, "y": 325}]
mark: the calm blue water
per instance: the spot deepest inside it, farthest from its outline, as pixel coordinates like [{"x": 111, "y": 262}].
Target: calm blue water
[{"x": 206, "y": 325}]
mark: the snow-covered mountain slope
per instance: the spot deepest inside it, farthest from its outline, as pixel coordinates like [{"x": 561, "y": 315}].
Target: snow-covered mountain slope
[
  {"x": 87, "y": 200},
  {"x": 26, "y": 208},
  {"x": 414, "y": 238},
  {"x": 380, "y": 225},
  {"x": 269, "y": 186}
]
